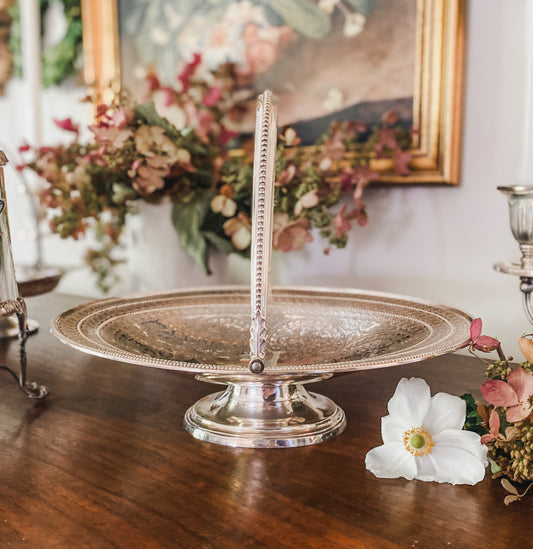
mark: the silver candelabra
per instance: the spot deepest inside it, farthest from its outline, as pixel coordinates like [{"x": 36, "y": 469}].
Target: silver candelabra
[
  {"x": 11, "y": 303},
  {"x": 520, "y": 199}
]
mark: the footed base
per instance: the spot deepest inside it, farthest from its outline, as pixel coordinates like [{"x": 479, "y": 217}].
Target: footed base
[{"x": 260, "y": 412}]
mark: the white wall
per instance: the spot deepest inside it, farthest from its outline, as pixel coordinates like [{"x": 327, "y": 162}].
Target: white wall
[{"x": 434, "y": 243}]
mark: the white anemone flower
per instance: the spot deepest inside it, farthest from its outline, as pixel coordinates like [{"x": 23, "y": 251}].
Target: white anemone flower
[{"x": 424, "y": 439}]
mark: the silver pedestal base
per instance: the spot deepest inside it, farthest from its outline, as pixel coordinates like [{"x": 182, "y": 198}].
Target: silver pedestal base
[{"x": 260, "y": 412}]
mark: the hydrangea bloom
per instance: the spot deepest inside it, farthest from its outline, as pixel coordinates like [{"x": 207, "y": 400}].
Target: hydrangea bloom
[{"x": 423, "y": 438}]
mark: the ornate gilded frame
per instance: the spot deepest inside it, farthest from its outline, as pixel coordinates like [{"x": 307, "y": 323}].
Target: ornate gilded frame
[{"x": 438, "y": 86}]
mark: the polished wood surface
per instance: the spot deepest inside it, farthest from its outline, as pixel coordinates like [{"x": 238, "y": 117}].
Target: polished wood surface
[{"x": 105, "y": 462}]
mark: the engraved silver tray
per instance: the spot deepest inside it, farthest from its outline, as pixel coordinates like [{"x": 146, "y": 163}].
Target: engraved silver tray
[
  {"x": 309, "y": 331},
  {"x": 312, "y": 334}
]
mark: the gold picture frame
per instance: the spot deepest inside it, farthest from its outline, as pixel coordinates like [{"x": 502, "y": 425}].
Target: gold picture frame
[{"x": 437, "y": 91}]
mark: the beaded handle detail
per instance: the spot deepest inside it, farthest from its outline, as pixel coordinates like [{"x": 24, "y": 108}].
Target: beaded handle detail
[{"x": 263, "y": 205}]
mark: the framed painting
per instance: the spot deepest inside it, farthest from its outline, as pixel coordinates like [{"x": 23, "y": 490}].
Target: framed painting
[{"x": 325, "y": 60}]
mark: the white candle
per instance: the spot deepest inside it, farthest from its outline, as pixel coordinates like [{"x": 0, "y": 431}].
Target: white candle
[
  {"x": 524, "y": 175},
  {"x": 30, "y": 33}
]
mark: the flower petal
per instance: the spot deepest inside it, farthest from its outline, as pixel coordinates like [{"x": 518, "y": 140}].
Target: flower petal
[
  {"x": 392, "y": 430},
  {"x": 391, "y": 460},
  {"x": 486, "y": 344},
  {"x": 522, "y": 382},
  {"x": 445, "y": 412},
  {"x": 475, "y": 329},
  {"x": 410, "y": 402},
  {"x": 526, "y": 346},
  {"x": 494, "y": 422},
  {"x": 230, "y": 207},
  {"x": 518, "y": 412},
  {"x": 499, "y": 393},
  {"x": 465, "y": 440},
  {"x": 485, "y": 439},
  {"x": 453, "y": 465}
]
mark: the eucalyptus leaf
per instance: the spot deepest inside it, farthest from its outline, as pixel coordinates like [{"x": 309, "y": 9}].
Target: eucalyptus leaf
[
  {"x": 188, "y": 220},
  {"x": 303, "y": 16},
  {"x": 148, "y": 113},
  {"x": 508, "y": 486},
  {"x": 362, "y": 6},
  {"x": 219, "y": 242},
  {"x": 509, "y": 499}
]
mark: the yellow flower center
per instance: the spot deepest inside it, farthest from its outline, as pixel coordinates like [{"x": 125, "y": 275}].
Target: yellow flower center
[{"x": 417, "y": 441}]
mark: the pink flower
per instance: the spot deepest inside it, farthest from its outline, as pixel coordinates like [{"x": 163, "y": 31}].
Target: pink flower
[
  {"x": 188, "y": 70},
  {"x": 67, "y": 125},
  {"x": 342, "y": 222},
  {"x": 153, "y": 82},
  {"x": 150, "y": 177},
  {"x": 402, "y": 159},
  {"x": 360, "y": 177},
  {"x": 204, "y": 126},
  {"x": 334, "y": 147},
  {"x": 110, "y": 135},
  {"x": 122, "y": 117},
  {"x": 386, "y": 140},
  {"x": 24, "y": 148},
  {"x": 494, "y": 428},
  {"x": 359, "y": 213},
  {"x": 213, "y": 97},
  {"x": 515, "y": 395},
  {"x": 481, "y": 342},
  {"x": 101, "y": 110},
  {"x": 286, "y": 175},
  {"x": 226, "y": 135},
  {"x": 152, "y": 141},
  {"x": 289, "y": 236},
  {"x": 260, "y": 56}
]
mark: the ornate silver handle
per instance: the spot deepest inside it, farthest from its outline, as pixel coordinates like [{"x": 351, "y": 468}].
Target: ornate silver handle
[{"x": 263, "y": 205}]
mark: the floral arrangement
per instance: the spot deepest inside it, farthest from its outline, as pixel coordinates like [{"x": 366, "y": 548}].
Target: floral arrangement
[
  {"x": 505, "y": 423},
  {"x": 176, "y": 146},
  {"x": 453, "y": 439}
]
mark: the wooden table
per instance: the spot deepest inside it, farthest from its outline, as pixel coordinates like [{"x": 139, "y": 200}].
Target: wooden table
[{"x": 105, "y": 462}]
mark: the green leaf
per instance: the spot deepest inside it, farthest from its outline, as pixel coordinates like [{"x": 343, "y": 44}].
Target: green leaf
[
  {"x": 303, "y": 16},
  {"x": 473, "y": 419},
  {"x": 494, "y": 467},
  {"x": 362, "y": 6},
  {"x": 148, "y": 113},
  {"x": 188, "y": 220},
  {"x": 219, "y": 242}
]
